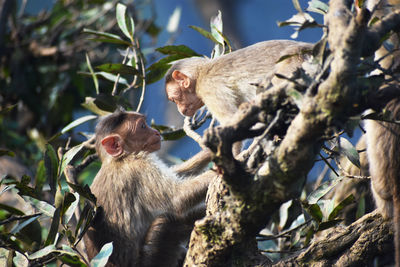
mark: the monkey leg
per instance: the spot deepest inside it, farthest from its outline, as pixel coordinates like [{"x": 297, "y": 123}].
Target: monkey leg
[{"x": 163, "y": 244}]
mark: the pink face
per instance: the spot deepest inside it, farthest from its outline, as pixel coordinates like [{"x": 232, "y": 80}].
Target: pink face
[{"x": 185, "y": 99}]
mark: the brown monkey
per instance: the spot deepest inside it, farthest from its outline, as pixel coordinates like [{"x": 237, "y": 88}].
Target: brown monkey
[
  {"x": 383, "y": 139},
  {"x": 146, "y": 209},
  {"x": 225, "y": 82}
]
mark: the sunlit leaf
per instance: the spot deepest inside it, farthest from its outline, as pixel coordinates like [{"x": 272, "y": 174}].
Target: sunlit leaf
[
  {"x": 322, "y": 190},
  {"x": 92, "y": 106},
  {"x": 4, "y": 111},
  {"x": 174, "y": 19},
  {"x": 216, "y": 27},
  {"x": 20, "y": 260},
  {"x": 69, "y": 155},
  {"x": 318, "y": 7},
  {"x": 100, "y": 260},
  {"x": 106, "y": 35},
  {"x": 44, "y": 207},
  {"x": 78, "y": 122},
  {"x": 69, "y": 212},
  {"x": 43, "y": 252},
  {"x": 121, "y": 19},
  {"x": 284, "y": 213},
  {"x": 350, "y": 151},
  {"x": 6, "y": 188}
]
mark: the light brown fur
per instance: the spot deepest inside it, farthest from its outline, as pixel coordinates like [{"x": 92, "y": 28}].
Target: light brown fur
[{"x": 142, "y": 201}]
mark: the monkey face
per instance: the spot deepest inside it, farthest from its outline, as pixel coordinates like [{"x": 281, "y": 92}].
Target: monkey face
[
  {"x": 185, "y": 98},
  {"x": 142, "y": 136}
]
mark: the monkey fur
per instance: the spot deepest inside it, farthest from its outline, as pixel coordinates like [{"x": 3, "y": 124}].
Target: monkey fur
[{"x": 145, "y": 208}]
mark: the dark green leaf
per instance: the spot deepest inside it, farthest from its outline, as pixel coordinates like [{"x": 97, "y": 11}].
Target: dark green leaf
[
  {"x": 4, "y": 152},
  {"x": 106, "y": 35},
  {"x": 111, "y": 41},
  {"x": 11, "y": 210},
  {"x": 164, "y": 63},
  {"x": 85, "y": 219},
  {"x": 174, "y": 135},
  {"x": 344, "y": 203},
  {"x": 25, "y": 179},
  {"x": 156, "y": 74},
  {"x": 51, "y": 165},
  {"x": 70, "y": 260},
  {"x": 360, "y": 207},
  {"x": 90, "y": 104},
  {"x": 40, "y": 177},
  {"x": 83, "y": 191},
  {"x": 8, "y": 109},
  {"x": 116, "y": 68},
  {"x": 326, "y": 225},
  {"x": 181, "y": 50},
  {"x": 54, "y": 227},
  {"x": 315, "y": 212},
  {"x": 69, "y": 198}
]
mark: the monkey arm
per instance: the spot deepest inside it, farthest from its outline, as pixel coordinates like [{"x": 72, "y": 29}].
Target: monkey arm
[
  {"x": 194, "y": 165},
  {"x": 191, "y": 192}
]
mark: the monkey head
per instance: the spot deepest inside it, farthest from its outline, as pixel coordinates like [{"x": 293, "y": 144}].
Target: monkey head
[
  {"x": 181, "y": 90},
  {"x": 126, "y": 133}
]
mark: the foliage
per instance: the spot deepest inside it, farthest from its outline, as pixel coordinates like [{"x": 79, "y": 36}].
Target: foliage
[{"x": 64, "y": 74}]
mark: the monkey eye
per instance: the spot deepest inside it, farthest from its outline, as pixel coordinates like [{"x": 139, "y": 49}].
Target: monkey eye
[{"x": 143, "y": 126}]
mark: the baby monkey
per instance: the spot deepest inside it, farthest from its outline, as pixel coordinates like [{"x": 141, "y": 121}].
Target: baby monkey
[
  {"x": 145, "y": 208},
  {"x": 225, "y": 82}
]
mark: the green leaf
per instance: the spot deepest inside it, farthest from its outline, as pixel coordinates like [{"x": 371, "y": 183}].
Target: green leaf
[
  {"x": 116, "y": 68},
  {"x": 349, "y": 151},
  {"x": 51, "y": 165},
  {"x": 181, "y": 50},
  {"x": 205, "y": 33},
  {"x": 43, "y": 252},
  {"x": 83, "y": 191},
  {"x": 94, "y": 77},
  {"x": 344, "y": 203},
  {"x": 121, "y": 19},
  {"x": 20, "y": 225},
  {"x": 361, "y": 207},
  {"x": 44, "y": 207},
  {"x": 113, "y": 78},
  {"x": 174, "y": 135},
  {"x": 85, "y": 219},
  {"x": 315, "y": 212},
  {"x": 69, "y": 211},
  {"x": 101, "y": 259},
  {"x": 107, "y": 35},
  {"x": 69, "y": 155},
  {"x": 318, "y": 7},
  {"x": 90, "y": 104},
  {"x": 216, "y": 27},
  {"x": 284, "y": 213},
  {"x": 322, "y": 190},
  {"x": 54, "y": 227},
  {"x": 40, "y": 177},
  {"x": 326, "y": 225},
  {"x": 25, "y": 179},
  {"x": 111, "y": 41},
  {"x": 78, "y": 122},
  {"x": 11, "y": 210},
  {"x": 20, "y": 260},
  {"x": 8, "y": 109},
  {"x": 6, "y": 188},
  {"x": 5, "y": 152},
  {"x": 70, "y": 260}
]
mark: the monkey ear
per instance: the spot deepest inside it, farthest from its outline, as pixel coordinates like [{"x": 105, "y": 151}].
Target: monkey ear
[
  {"x": 112, "y": 144},
  {"x": 182, "y": 79}
]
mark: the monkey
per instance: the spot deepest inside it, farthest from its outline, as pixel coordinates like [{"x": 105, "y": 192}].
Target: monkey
[
  {"x": 145, "y": 208},
  {"x": 383, "y": 138},
  {"x": 223, "y": 83}
]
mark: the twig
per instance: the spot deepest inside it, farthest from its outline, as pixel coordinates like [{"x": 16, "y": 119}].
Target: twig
[
  {"x": 18, "y": 218},
  {"x": 187, "y": 127}
]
